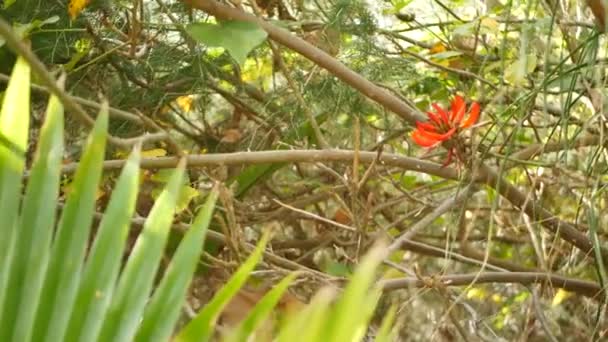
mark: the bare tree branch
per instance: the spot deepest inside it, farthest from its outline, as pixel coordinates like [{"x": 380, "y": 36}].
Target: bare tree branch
[{"x": 582, "y": 287}]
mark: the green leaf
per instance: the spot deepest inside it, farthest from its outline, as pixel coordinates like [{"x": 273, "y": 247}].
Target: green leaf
[
  {"x": 400, "y": 4},
  {"x": 8, "y": 3},
  {"x": 136, "y": 281},
  {"x": 238, "y": 37},
  {"x": 33, "y": 238},
  {"x": 164, "y": 308},
  {"x": 201, "y": 327},
  {"x": 105, "y": 258},
  {"x": 186, "y": 195},
  {"x": 68, "y": 250},
  {"x": 357, "y": 297},
  {"x": 387, "y": 329},
  {"x": 163, "y": 176},
  {"x": 262, "y": 309},
  {"x": 309, "y": 324},
  {"x": 337, "y": 269},
  {"x": 14, "y": 124}
]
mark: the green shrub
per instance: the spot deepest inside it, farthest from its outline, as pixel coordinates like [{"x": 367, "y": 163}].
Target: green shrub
[{"x": 53, "y": 287}]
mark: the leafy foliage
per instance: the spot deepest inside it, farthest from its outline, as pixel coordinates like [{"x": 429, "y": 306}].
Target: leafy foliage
[{"x": 47, "y": 293}]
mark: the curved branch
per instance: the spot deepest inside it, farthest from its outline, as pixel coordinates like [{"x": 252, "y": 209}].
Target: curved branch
[
  {"x": 285, "y": 156},
  {"x": 485, "y": 175},
  {"x": 582, "y": 287},
  {"x": 318, "y": 56},
  {"x": 536, "y": 149}
]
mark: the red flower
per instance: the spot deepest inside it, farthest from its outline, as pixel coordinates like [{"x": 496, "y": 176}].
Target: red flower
[{"x": 442, "y": 124}]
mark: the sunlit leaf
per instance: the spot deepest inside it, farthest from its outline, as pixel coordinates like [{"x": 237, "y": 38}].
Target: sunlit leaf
[
  {"x": 186, "y": 195},
  {"x": 238, "y": 37},
  {"x": 560, "y": 296},
  {"x": 14, "y": 125},
  {"x": 157, "y": 152},
  {"x": 167, "y": 299}
]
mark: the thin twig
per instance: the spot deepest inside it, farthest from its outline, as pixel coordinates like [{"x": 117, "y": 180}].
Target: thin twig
[
  {"x": 424, "y": 222},
  {"x": 315, "y": 216}
]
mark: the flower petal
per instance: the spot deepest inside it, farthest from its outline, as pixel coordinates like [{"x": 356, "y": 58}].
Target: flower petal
[
  {"x": 423, "y": 140},
  {"x": 426, "y": 126},
  {"x": 434, "y": 117},
  {"x": 442, "y": 112},
  {"x": 473, "y": 116},
  {"x": 458, "y": 109},
  {"x": 437, "y": 136}
]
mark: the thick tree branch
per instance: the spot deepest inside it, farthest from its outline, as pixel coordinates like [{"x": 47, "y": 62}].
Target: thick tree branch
[
  {"x": 285, "y": 156},
  {"x": 486, "y": 176},
  {"x": 286, "y": 38}
]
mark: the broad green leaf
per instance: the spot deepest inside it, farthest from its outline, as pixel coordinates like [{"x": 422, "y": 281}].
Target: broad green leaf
[
  {"x": 262, "y": 310},
  {"x": 238, "y": 37},
  {"x": 14, "y": 124},
  {"x": 135, "y": 283},
  {"x": 186, "y": 195},
  {"x": 33, "y": 238},
  {"x": 105, "y": 258},
  {"x": 164, "y": 308},
  {"x": 201, "y": 327},
  {"x": 71, "y": 239},
  {"x": 163, "y": 176}
]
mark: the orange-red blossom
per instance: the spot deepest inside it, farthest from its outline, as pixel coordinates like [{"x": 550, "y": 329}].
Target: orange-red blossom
[{"x": 442, "y": 124}]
